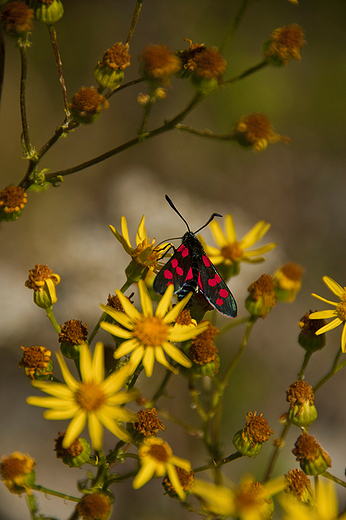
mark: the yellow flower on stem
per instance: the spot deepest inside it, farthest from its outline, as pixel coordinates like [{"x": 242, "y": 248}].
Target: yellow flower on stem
[
  {"x": 93, "y": 400},
  {"x": 157, "y": 460},
  {"x": 150, "y": 336},
  {"x": 339, "y": 313},
  {"x": 231, "y": 251}
]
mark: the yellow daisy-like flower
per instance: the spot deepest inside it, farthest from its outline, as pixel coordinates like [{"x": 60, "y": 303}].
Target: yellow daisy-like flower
[
  {"x": 339, "y": 313},
  {"x": 231, "y": 251},
  {"x": 157, "y": 460},
  {"x": 150, "y": 336},
  {"x": 93, "y": 400},
  {"x": 146, "y": 254}
]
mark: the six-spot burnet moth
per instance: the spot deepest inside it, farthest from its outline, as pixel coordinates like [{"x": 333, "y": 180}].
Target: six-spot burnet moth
[{"x": 190, "y": 269}]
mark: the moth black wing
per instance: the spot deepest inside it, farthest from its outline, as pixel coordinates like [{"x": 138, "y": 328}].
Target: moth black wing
[{"x": 176, "y": 271}]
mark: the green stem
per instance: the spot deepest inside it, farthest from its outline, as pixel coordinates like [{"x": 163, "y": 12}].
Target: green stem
[
  {"x": 191, "y": 430},
  {"x": 168, "y": 125},
  {"x": 205, "y": 133},
  {"x": 275, "y": 456},
  {"x": 54, "y": 42},
  {"x": 251, "y": 322},
  {"x": 334, "y": 479},
  {"x": 335, "y": 368},
  {"x": 221, "y": 462},
  {"x": 134, "y": 19},
  {"x": 47, "y": 491},
  {"x": 246, "y": 73},
  {"x": 194, "y": 396},
  {"x": 121, "y": 87},
  {"x": 51, "y": 317},
  {"x": 23, "y": 76},
  {"x": 231, "y": 325},
  {"x": 305, "y": 364},
  {"x": 234, "y": 25},
  {"x": 161, "y": 389}
]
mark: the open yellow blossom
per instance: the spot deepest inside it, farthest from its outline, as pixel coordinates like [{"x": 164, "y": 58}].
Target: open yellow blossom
[
  {"x": 157, "y": 460},
  {"x": 150, "y": 336},
  {"x": 146, "y": 254},
  {"x": 232, "y": 251},
  {"x": 339, "y": 313},
  {"x": 93, "y": 400}
]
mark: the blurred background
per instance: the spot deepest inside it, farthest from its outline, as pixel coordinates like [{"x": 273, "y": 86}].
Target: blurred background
[{"x": 299, "y": 189}]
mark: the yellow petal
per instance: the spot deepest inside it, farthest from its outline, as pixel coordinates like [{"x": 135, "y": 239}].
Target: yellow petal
[
  {"x": 136, "y": 358},
  {"x": 331, "y": 325},
  {"x": 165, "y": 302},
  {"x": 115, "y": 330},
  {"x": 50, "y": 402},
  {"x": 148, "y": 361},
  {"x": 181, "y": 463},
  {"x": 56, "y": 389},
  {"x": 118, "y": 413},
  {"x": 175, "y": 311},
  {"x": 160, "y": 358},
  {"x": 122, "y": 397},
  {"x": 146, "y": 472},
  {"x": 125, "y": 231},
  {"x": 334, "y": 287},
  {"x": 231, "y": 234},
  {"x": 95, "y": 431},
  {"x": 176, "y": 354},
  {"x": 112, "y": 384},
  {"x": 97, "y": 368},
  {"x": 260, "y": 250},
  {"x": 69, "y": 379},
  {"x": 324, "y": 300},
  {"x": 177, "y": 335},
  {"x": 129, "y": 309},
  {"x": 126, "y": 347},
  {"x": 118, "y": 316},
  {"x": 61, "y": 415},
  {"x": 255, "y": 234},
  {"x": 141, "y": 232},
  {"x": 174, "y": 480},
  {"x": 85, "y": 362},
  {"x": 75, "y": 427},
  {"x": 113, "y": 427},
  {"x": 122, "y": 241},
  {"x": 343, "y": 338},
  {"x": 323, "y": 315},
  {"x": 218, "y": 234},
  {"x": 147, "y": 306}
]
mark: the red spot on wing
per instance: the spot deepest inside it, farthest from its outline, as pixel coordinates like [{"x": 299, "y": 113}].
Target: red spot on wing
[
  {"x": 206, "y": 261},
  {"x": 223, "y": 293},
  {"x": 168, "y": 274},
  {"x": 189, "y": 275},
  {"x": 200, "y": 284},
  {"x": 174, "y": 263},
  {"x": 185, "y": 251},
  {"x": 179, "y": 271},
  {"x": 217, "y": 278},
  {"x": 212, "y": 282},
  {"x": 219, "y": 301}
]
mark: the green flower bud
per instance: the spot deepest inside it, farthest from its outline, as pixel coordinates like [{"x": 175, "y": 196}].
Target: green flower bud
[
  {"x": 249, "y": 440},
  {"x": 72, "y": 334},
  {"x": 262, "y": 297},
  {"x": 307, "y": 338},
  {"x": 37, "y": 363},
  {"x": 186, "y": 479},
  {"x": 43, "y": 281},
  {"x": 298, "y": 484},
  {"x": 209, "y": 69},
  {"x": 74, "y": 456},
  {"x": 109, "y": 72},
  {"x": 313, "y": 459},
  {"x": 285, "y": 43},
  {"x": 245, "y": 445},
  {"x": 16, "y": 21},
  {"x": 17, "y": 472},
  {"x": 12, "y": 202},
  {"x": 48, "y": 11},
  {"x": 86, "y": 105},
  {"x": 302, "y": 410}
]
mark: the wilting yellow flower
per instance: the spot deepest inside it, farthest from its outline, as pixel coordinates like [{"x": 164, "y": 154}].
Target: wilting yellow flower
[
  {"x": 146, "y": 254},
  {"x": 339, "y": 313},
  {"x": 17, "y": 472},
  {"x": 231, "y": 251},
  {"x": 324, "y": 508},
  {"x": 150, "y": 336},
  {"x": 94, "y": 399},
  {"x": 157, "y": 460}
]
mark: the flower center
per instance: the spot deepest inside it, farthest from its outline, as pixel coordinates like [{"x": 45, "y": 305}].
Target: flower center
[
  {"x": 151, "y": 331},
  {"x": 159, "y": 453},
  {"x": 232, "y": 252},
  {"x": 90, "y": 397},
  {"x": 341, "y": 308}
]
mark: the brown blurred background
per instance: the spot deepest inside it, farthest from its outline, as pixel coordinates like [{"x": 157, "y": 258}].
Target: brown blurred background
[{"x": 299, "y": 189}]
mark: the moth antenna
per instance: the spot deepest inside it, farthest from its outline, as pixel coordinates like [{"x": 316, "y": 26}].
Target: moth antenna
[
  {"x": 211, "y": 218},
  {"x": 175, "y": 209}
]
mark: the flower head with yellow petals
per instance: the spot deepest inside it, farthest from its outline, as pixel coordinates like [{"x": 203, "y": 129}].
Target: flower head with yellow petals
[
  {"x": 231, "y": 252},
  {"x": 339, "y": 313},
  {"x": 93, "y": 400},
  {"x": 148, "y": 336},
  {"x": 157, "y": 460}
]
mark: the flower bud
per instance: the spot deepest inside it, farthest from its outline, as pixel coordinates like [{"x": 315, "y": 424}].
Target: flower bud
[
  {"x": 188, "y": 58},
  {"x": 76, "y": 455},
  {"x": 71, "y": 337},
  {"x": 209, "y": 69},
  {"x": 86, "y": 105},
  {"x": 186, "y": 479},
  {"x": 262, "y": 297},
  {"x": 16, "y": 21},
  {"x": 307, "y": 338},
  {"x": 146, "y": 424},
  {"x": 203, "y": 353},
  {"x": 302, "y": 411},
  {"x": 249, "y": 440},
  {"x": 285, "y": 43},
  {"x": 12, "y": 201},
  {"x": 109, "y": 72},
  {"x": 17, "y": 472},
  {"x": 37, "y": 363},
  {"x": 43, "y": 281},
  {"x": 299, "y": 485},
  {"x": 48, "y": 11},
  {"x": 158, "y": 64},
  {"x": 94, "y": 506},
  {"x": 256, "y": 131},
  {"x": 313, "y": 459},
  {"x": 288, "y": 281}
]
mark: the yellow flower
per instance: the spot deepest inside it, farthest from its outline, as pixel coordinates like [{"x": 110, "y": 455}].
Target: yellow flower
[
  {"x": 324, "y": 508},
  {"x": 94, "y": 399},
  {"x": 231, "y": 251},
  {"x": 146, "y": 255},
  {"x": 150, "y": 336},
  {"x": 17, "y": 472},
  {"x": 157, "y": 460},
  {"x": 339, "y": 314}
]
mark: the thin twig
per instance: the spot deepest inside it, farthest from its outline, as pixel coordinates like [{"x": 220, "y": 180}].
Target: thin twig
[
  {"x": 54, "y": 42},
  {"x": 134, "y": 19}
]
